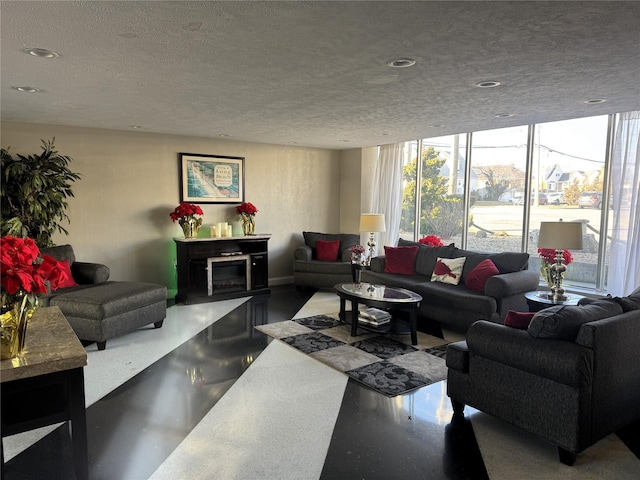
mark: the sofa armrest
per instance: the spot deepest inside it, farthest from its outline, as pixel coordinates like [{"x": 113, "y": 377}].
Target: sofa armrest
[
  {"x": 509, "y": 284},
  {"x": 559, "y": 360},
  {"x": 85, "y": 273},
  {"x": 303, "y": 253}
]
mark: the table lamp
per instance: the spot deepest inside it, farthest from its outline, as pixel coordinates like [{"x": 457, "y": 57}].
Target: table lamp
[
  {"x": 372, "y": 223},
  {"x": 559, "y": 236}
]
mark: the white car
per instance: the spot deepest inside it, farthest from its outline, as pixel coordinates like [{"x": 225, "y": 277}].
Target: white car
[{"x": 555, "y": 198}]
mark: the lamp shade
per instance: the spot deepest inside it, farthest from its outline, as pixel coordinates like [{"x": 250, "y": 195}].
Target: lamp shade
[
  {"x": 372, "y": 222},
  {"x": 560, "y": 235}
]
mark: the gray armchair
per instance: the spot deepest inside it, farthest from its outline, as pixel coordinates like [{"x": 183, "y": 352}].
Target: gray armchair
[
  {"x": 569, "y": 379},
  {"x": 308, "y": 271}
]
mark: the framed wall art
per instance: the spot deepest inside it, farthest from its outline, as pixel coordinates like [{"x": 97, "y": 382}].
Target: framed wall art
[{"x": 211, "y": 178}]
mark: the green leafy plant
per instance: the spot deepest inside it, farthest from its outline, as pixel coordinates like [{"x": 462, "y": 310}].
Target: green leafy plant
[{"x": 34, "y": 194}]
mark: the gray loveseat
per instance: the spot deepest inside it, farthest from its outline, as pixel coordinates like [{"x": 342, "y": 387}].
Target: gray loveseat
[
  {"x": 457, "y": 306},
  {"x": 308, "y": 271},
  {"x": 571, "y": 376},
  {"x": 98, "y": 309}
]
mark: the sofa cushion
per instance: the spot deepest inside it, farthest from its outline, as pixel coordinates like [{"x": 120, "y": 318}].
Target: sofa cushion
[
  {"x": 448, "y": 270},
  {"x": 508, "y": 262},
  {"x": 630, "y": 302},
  {"x": 519, "y": 320},
  {"x": 400, "y": 260},
  {"x": 564, "y": 321},
  {"x": 427, "y": 256},
  {"x": 444, "y": 296},
  {"x": 327, "y": 250},
  {"x": 477, "y": 278},
  {"x": 60, "y": 253}
]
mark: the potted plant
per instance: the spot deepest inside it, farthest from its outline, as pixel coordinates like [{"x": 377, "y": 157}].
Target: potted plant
[{"x": 34, "y": 194}]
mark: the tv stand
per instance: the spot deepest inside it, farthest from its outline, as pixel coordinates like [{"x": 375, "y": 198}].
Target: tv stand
[{"x": 211, "y": 269}]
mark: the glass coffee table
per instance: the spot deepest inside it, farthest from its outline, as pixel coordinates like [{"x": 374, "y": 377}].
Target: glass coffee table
[{"x": 382, "y": 297}]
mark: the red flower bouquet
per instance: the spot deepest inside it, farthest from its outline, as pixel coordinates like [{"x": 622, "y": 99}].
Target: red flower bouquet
[
  {"x": 246, "y": 208},
  {"x": 549, "y": 256},
  {"x": 431, "y": 241},
  {"x": 24, "y": 274},
  {"x": 184, "y": 211},
  {"x": 23, "y": 270}
]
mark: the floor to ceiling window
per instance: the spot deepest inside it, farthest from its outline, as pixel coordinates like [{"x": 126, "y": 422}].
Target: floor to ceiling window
[{"x": 516, "y": 178}]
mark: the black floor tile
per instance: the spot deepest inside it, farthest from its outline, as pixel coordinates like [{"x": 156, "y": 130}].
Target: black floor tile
[
  {"x": 377, "y": 437},
  {"x": 132, "y": 430}
]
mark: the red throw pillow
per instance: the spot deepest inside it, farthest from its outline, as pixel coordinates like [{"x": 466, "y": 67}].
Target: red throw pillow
[
  {"x": 519, "y": 320},
  {"x": 400, "y": 260},
  {"x": 480, "y": 274},
  {"x": 327, "y": 250},
  {"x": 64, "y": 278}
]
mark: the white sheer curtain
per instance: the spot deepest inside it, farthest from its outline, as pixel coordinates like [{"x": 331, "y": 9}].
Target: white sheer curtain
[
  {"x": 624, "y": 266},
  {"x": 387, "y": 192}
]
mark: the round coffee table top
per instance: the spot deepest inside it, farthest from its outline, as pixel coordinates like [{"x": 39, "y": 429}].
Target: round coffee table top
[
  {"x": 380, "y": 293},
  {"x": 542, "y": 297}
]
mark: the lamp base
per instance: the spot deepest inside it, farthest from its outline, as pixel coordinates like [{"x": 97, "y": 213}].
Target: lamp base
[{"x": 555, "y": 298}]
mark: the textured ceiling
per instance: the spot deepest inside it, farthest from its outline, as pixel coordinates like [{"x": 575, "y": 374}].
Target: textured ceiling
[{"x": 315, "y": 73}]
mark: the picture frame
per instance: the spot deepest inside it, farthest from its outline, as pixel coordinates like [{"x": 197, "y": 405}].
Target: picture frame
[{"x": 211, "y": 178}]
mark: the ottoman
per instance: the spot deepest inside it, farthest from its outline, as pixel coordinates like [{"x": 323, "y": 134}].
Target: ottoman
[{"x": 110, "y": 309}]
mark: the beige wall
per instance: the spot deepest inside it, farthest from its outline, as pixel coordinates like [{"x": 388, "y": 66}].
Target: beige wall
[{"x": 130, "y": 183}]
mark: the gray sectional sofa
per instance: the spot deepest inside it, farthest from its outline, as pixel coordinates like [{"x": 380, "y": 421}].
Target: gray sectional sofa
[
  {"x": 571, "y": 376},
  {"x": 457, "y": 306}
]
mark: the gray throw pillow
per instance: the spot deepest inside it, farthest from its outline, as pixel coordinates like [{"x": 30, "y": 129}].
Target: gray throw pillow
[{"x": 564, "y": 321}]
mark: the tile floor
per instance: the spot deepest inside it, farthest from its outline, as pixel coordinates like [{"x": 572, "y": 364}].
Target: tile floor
[{"x": 209, "y": 397}]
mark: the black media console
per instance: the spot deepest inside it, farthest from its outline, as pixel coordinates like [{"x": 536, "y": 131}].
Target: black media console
[{"x": 211, "y": 269}]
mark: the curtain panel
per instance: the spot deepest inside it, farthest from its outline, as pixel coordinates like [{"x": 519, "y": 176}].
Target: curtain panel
[
  {"x": 624, "y": 264},
  {"x": 387, "y": 192}
]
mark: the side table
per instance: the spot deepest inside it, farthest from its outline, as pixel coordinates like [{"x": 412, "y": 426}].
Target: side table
[
  {"x": 45, "y": 384},
  {"x": 538, "y": 300}
]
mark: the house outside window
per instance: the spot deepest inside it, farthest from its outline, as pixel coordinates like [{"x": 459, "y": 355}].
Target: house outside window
[{"x": 516, "y": 178}]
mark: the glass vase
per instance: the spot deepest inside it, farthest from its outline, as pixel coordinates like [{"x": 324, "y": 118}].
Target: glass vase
[
  {"x": 190, "y": 226},
  {"x": 13, "y": 325},
  {"x": 248, "y": 224}
]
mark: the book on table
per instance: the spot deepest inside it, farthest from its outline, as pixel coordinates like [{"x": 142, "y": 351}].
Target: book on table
[{"x": 374, "y": 316}]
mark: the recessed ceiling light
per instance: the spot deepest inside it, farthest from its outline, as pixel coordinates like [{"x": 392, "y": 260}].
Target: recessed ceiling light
[
  {"x": 402, "y": 63},
  {"x": 503, "y": 115},
  {"x": 224, "y": 135},
  {"x": 41, "y": 52},
  {"x": 27, "y": 89},
  {"x": 487, "y": 84},
  {"x": 438, "y": 125},
  {"x": 594, "y": 101},
  {"x": 136, "y": 127}
]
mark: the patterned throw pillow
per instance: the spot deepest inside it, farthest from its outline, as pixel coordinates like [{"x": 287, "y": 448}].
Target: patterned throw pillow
[{"x": 448, "y": 270}]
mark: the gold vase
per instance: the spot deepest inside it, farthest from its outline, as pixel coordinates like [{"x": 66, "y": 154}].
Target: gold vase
[
  {"x": 190, "y": 226},
  {"x": 248, "y": 224},
  {"x": 13, "y": 325},
  {"x": 547, "y": 274}
]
